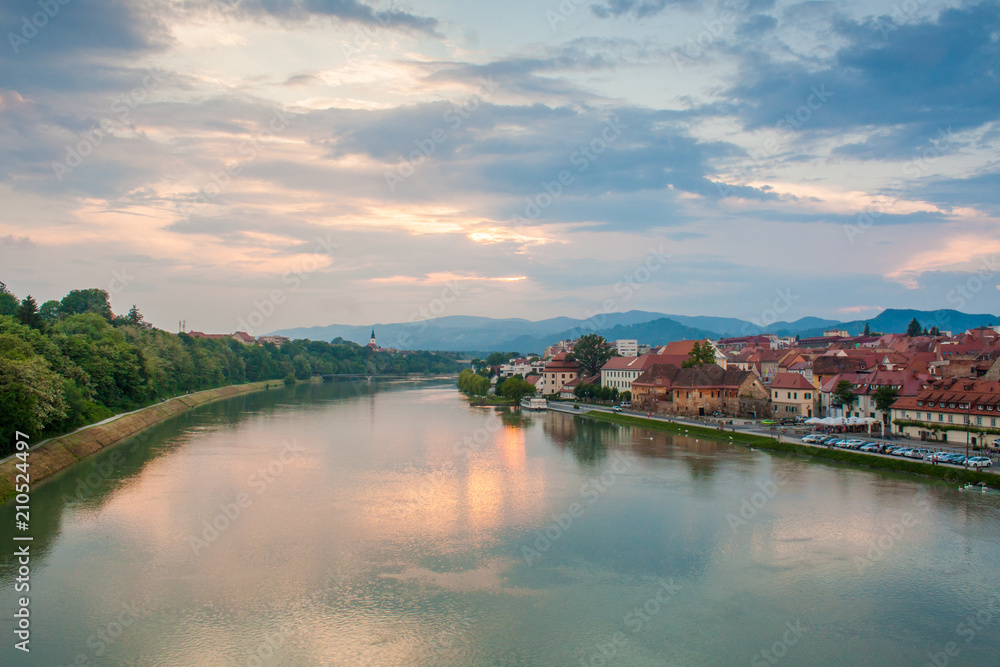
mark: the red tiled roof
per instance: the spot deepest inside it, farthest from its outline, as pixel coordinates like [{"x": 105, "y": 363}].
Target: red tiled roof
[
  {"x": 790, "y": 381},
  {"x": 680, "y": 347},
  {"x": 657, "y": 375},
  {"x": 643, "y": 362}
]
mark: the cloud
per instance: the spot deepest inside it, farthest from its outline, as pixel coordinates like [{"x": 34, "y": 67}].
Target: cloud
[
  {"x": 638, "y": 9},
  {"x": 346, "y": 10},
  {"x": 921, "y": 76}
]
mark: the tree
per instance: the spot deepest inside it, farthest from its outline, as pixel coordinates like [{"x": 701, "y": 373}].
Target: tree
[
  {"x": 844, "y": 396},
  {"x": 473, "y": 383},
  {"x": 700, "y": 355},
  {"x": 935, "y": 331},
  {"x": 303, "y": 369},
  {"x": 867, "y": 332},
  {"x": 27, "y": 312},
  {"x": 516, "y": 388},
  {"x": 498, "y": 358},
  {"x": 591, "y": 352},
  {"x": 49, "y": 311},
  {"x": 913, "y": 329},
  {"x": 8, "y": 302},
  {"x": 884, "y": 398},
  {"x": 134, "y": 316},
  {"x": 86, "y": 301}
]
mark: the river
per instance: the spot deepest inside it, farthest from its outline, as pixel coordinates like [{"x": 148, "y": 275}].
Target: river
[{"x": 390, "y": 523}]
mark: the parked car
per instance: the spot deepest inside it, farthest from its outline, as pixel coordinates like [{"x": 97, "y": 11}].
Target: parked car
[
  {"x": 840, "y": 443},
  {"x": 979, "y": 462},
  {"x": 617, "y": 408},
  {"x": 810, "y": 439},
  {"x": 939, "y": 457},
  {"x": 854, "y": 443},
  {"x": 954, "y": 458},
  {"x": 918, "y": 453},
  {"x": 902, "y": 451},
  {"x": 868, "y": 447}
]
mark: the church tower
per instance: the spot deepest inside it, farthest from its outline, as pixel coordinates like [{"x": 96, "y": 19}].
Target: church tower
[{"x": 372, "y": 344}]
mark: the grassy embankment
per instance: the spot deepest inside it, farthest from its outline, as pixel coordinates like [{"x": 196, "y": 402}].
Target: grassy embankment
[
  {"x": 63, "y": 451},
  {"x": 838, "y": 455},
  {"x": 493, "y": 400}
]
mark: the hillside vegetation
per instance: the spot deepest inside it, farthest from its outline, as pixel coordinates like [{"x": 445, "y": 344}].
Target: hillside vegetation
[{"x": 73, "y": 362}]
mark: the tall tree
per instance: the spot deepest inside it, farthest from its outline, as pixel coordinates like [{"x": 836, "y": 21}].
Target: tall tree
[
  {"x": 913, "y": 329},
  {"x": 8, "y": 302},
  {"x": 867, "y": 332},
  {"x": 591, "y": 352},
  {"x": 844, "y": 396},
  {"x": 700, "y": 355},
  {"x": 884, "y": 398},
  {"x": 27, "y": 312},
  {"x": 134, "y": 316}
]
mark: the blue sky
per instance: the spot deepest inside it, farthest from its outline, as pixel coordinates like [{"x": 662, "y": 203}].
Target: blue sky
[{"x": 331, "y": 161}]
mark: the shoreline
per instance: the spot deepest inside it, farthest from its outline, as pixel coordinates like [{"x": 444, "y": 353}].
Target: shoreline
[
  {"x": 940, "y": 473},
  {"x": 61, "y": 452}
]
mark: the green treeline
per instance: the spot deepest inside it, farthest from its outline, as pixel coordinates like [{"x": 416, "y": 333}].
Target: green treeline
[
  {"x": 473, "y": 383},
  {"x": 73, "y": 362}
]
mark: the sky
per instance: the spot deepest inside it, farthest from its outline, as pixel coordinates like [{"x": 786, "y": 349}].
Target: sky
[{"x": 310, "y": 162}]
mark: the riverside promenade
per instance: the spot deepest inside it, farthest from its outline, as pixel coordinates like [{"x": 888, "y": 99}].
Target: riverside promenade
[{"x": 791, "y": 435}]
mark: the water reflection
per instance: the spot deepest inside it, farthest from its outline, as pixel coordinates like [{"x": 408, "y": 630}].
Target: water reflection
[{"x": 395, "y": 536}]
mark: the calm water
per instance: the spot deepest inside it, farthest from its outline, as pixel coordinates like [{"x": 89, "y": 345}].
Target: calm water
[{"x": 356, "y": 524}]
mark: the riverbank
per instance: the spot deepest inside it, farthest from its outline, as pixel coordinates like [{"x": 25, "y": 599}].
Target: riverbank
[
  {"x": 60, "y": 452},
  {"x": 892, "y": 464}
]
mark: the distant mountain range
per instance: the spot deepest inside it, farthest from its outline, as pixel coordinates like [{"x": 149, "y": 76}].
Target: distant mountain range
[{"x": 484, "y": 334}]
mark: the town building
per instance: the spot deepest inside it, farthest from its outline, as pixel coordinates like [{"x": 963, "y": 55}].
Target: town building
[
  {"x": 710, "y": 389},
  {"x": 792, "y": 396},
  {"x": 277, "y": 341},
  {"x": 619, "y": 372},
  {"x": 558, "y": 371},
  {"x": 865, "y": 386},
  {"x": 627, "y": 348},
  {"x": 653, "y": 385},
  {"x": 562, "y": 346},
  {"x": 956, "y": 410}
]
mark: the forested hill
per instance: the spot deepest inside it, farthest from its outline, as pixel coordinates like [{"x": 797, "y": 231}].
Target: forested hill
[{"x": 73, "y": 362}]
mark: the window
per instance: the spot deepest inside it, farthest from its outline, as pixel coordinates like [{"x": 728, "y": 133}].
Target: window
[
  {"x": 979, "y": 421},
  {"x": 940, "y": 417},
  {"x": 929, "y": 416},
  {"x": 920, "y": 403},
  {"x": 979, "y": 407},
  {"x": 993, "y": 421},
  {"x": 931, "y": 404},
  {"x": 807, "y": 396},
  {"x": 965, "y": 419},
  {"x": 951, "y": 419}
]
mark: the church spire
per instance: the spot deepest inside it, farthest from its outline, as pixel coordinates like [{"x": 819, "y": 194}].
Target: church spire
[{"x": 372, "y": 342}]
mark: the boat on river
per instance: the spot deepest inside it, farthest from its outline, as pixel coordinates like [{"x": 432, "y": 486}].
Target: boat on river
[{"x": 530, "y": 403}]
